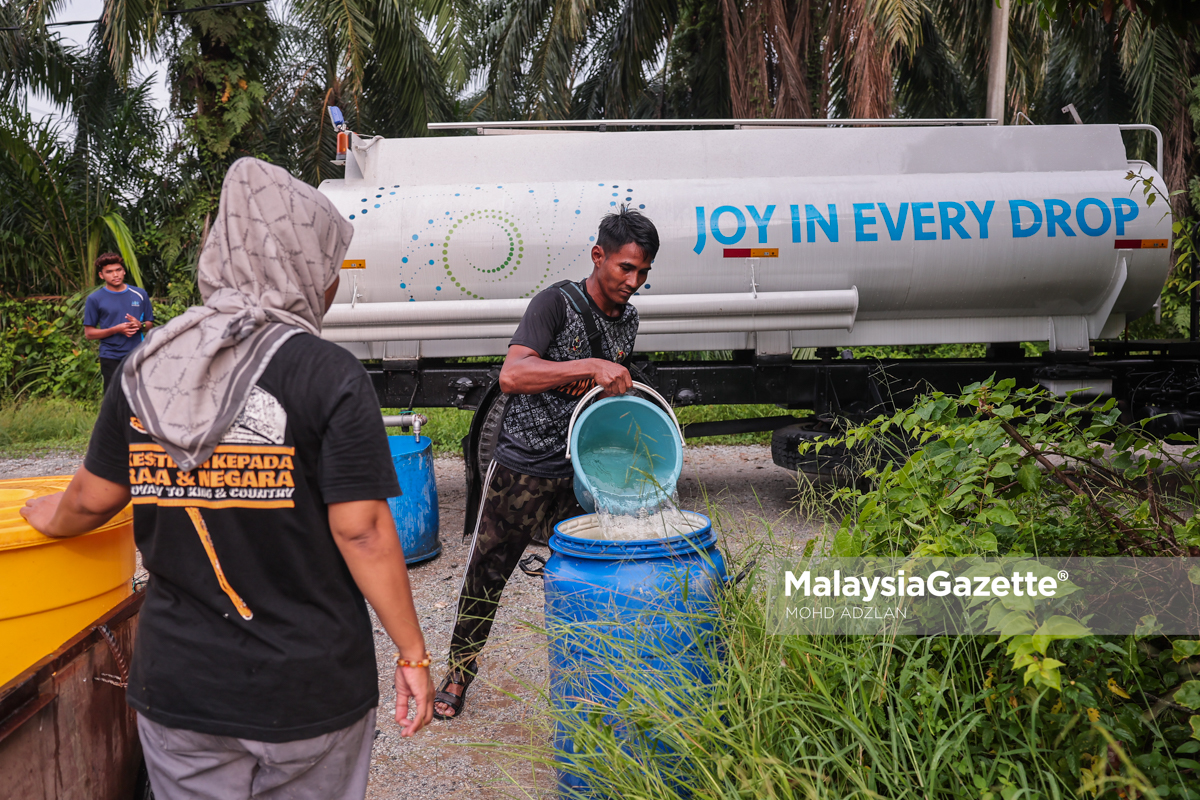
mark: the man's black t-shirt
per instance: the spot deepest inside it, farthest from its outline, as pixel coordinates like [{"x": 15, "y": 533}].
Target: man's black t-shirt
[
  {"x": 533, "y": 438},
  {"x": 252, "y": 625}
]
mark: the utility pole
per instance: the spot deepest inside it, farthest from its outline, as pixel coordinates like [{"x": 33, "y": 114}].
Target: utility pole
[{"x": 998, "y": 61}]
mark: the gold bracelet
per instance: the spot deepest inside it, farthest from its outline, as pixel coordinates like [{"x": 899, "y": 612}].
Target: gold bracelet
[{"x": 404, "y": 662}]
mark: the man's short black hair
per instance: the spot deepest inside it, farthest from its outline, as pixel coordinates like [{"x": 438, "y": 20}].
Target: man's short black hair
[
  {"x": 108, "y": 259},
  {"x": 625, "y": 226}
]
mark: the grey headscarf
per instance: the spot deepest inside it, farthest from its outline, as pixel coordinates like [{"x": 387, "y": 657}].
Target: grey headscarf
[{"x": 276, "y": 246}]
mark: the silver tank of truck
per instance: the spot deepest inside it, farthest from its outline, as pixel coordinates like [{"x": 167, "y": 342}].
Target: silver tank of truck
[{"x": 772, "y": 239}]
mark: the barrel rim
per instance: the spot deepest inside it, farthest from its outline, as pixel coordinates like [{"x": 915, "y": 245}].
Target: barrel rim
[
  {"x": 405, "y": 444},
  {"x": 16, "y": 533},
  {"x": 621, "y": 550}
]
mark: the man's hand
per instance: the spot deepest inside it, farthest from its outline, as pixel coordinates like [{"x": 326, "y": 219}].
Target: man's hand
[
  {"x": 613, "y": 377},
  {"x": 130, "y": 326}
]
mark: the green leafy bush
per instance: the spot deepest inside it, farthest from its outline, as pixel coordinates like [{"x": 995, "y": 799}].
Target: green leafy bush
[
  {"x": 999, "y": 470},
  {"x": 43, "y": 351}
]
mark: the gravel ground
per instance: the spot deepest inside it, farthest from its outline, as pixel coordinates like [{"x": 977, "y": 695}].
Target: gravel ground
[
  {"x": 749, "y": 498},
  {"x": 37, "y": 466}
]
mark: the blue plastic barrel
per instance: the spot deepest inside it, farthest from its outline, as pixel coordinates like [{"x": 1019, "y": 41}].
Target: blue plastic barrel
[
  {"x": 416, "y": 511},
  {"x": 616, "y": 609},
  {"x": 626, "y": 454}
]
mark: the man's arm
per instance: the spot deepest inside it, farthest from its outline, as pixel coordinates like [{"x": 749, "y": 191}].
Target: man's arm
[
  {"x": 525, "y": 372},
  {"x": 88, "y": 502},
  {"x": 366, "y": 536}
]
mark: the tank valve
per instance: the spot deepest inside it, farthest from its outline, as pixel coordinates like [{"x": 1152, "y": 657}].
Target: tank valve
[
  {"x": 405, "y": 421},
  {"x": 343, "y": 135}
]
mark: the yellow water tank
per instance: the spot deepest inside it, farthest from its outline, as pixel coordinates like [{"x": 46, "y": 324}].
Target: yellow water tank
[{"x": 51, "y": 589}]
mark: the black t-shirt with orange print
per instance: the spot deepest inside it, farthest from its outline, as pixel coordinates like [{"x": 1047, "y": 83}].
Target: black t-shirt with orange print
[
  {"x": 533, "y": 438},
  {"x": 252, "y": 625}
]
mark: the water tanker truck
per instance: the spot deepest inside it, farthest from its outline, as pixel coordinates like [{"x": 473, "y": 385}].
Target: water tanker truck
[{"x": 776, "y": 237}]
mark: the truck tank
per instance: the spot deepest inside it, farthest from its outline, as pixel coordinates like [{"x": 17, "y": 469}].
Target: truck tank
[{"x": 772, "y": 239}]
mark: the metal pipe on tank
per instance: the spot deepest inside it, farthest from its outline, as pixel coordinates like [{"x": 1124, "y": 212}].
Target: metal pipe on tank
[
  {"x": 715, "y": 313},
  {"x": 426, "y": 312},
  {"x": 504, "y": 330},
  {"x": 480, "y": 312},
  {"x": 406, "y": 420}
]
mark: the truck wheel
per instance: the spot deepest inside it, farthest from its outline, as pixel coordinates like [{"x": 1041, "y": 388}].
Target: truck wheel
[
  {"x": 489, "y": 432},
  {"x": 832, "y": 463},
  {"x": 478, "y": 446}
]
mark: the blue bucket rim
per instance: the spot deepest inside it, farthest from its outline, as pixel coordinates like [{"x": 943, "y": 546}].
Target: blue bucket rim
[
  {"x": 587, "y": 412},
  {"x": 625, "y": 549}
]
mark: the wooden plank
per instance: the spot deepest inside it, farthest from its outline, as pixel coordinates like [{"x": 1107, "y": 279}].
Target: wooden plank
[
  {"x": 23, "y": 714},
  {"x": 82, "y": 743}
]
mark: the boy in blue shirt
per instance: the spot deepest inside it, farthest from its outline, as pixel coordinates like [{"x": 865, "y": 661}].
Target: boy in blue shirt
[{"x": 116, "y": 314}]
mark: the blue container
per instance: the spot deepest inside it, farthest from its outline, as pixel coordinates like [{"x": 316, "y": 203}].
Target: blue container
[
  {"x": 626, "y": 454},
  {"x": 617, "y": 611},
  {"x": 416, "y": 511}
]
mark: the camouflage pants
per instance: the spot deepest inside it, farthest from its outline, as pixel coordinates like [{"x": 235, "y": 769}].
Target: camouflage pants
[{"x": 515, "y": 508}]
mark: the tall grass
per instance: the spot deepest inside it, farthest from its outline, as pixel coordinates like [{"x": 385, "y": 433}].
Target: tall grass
[
  {"x": 820, "y": 717},
  {"x": 45, "y": 424},
  {"x": 837, "y": 716}
]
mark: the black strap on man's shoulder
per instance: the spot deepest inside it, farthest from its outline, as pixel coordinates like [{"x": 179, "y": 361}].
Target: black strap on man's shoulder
[{"x": 579, "y": 302}]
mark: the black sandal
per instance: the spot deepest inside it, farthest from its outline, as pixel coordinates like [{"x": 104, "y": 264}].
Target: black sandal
[{"x": 455, "y": 701}]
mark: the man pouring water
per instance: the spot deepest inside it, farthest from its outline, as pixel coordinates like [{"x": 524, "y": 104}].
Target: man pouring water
[{"x": 573, "y": 336}]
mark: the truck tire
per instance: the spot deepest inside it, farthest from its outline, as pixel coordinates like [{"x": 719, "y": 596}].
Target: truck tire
[
  {"x": 478, "y": 446},
  {"x": 833, "y": 462},
  {"x": 489, "y": 432}
]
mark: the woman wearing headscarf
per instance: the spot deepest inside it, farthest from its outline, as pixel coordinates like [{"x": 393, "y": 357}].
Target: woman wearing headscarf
[{"x": 256, "y": 459}]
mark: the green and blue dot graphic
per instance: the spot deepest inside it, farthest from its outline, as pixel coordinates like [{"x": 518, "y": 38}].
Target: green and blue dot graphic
[{"x": 484, "y": 236}]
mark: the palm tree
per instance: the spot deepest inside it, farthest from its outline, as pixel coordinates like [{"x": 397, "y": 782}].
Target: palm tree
[
  {"x": 62, "y": 201},
  {"x": 1161, "y": 68},
  {"x": 558, "y": 59},
  {"x": 70, "y": 186},
  {"x": 32, "y": 60}
]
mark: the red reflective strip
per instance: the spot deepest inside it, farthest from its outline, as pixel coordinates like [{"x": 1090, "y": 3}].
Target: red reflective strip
[{"x": 737, "y": 252}]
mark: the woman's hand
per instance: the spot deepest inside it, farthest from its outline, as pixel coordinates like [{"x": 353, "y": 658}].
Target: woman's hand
[{"x": 413, "y": 682}]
